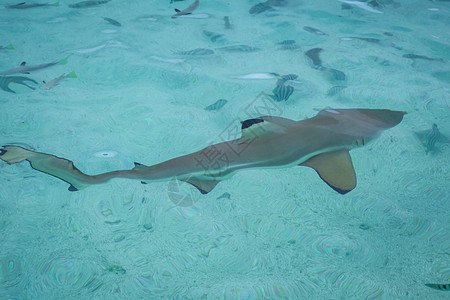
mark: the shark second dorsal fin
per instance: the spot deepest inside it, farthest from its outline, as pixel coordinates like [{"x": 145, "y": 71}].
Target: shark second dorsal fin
[
  {"x": 335, "y": 168},
  {"x": 203, "y": 185}
]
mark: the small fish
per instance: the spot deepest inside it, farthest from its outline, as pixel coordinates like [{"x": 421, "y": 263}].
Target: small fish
[
  {"x": 287, "y": 42},
  {"x": 227, "y": 23},
  {"x": 282, "y": 92},
  {"x": 212, "y": 36},
  {"x": 112, "y": 21},
  {"x": 168, "y": 60},
  {"x": 416, "y": 56},
  {"x": 240, "y": 48},
  {"x": 285, "y": 78},
  {"x": 6, "y": 80},
  {"x": 257, "y": 76},
  {"x": 259, "y": 8},
  {"x": 313, "y": 54},
  {"x": 430, "y": 137},
  {"x": 52, "y": 83},
  {"x": 89, "y": 3},
  {"x": 224, "y": 196},
  {"x": 335, "y": 74},
  {"x": 335, "y": 90},
  {"x": 109, "y": 44},
  {"x": 10, "y": 46},
  {"x": 198, "y": 51},
  {"x": 361, "y": 5},
  {"x": 24, "y": 5},
  {"x": 24, "y": 69},
  {"x": 314, "y": 30},
  {"x": 369, "y": 40},
  {"x": 186, "y": 11},
  {"x": 441, "y": 287},
  {"x": 216, "y": 105}
]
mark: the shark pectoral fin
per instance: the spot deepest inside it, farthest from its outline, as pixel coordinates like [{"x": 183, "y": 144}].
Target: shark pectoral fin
[
  {"x": 335, "y": 168},
  {"x": 203, "y": 185}
]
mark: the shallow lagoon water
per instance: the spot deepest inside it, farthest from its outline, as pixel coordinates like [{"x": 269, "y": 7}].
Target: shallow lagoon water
[{"x": 276, "y": 234}]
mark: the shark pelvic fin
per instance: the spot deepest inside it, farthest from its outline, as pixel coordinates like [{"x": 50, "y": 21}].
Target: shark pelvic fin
[
  {"x": 203, "y": 185},
  {"x": 335, "y": 168}
]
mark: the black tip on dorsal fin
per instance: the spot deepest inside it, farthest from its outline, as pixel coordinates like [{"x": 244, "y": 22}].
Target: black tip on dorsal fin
[
  {"x": 22, "y": 3},
  {"x": 23, "y": 64},
  {"x": 143, "y": 182},
  {"x": 73, "y": 189},
  {"x": 137, "y": 164},
  {"x": 250, "y": 122},
  {"x": 177, "y": 10}
]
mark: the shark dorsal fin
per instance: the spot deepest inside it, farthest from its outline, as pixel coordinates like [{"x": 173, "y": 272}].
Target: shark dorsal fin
[
  {"x": 23, "y": 64},
  {"x": 263, "y": 125},
  {"x": 203, "y": 185},
  {"x": 335, "y": 168}
]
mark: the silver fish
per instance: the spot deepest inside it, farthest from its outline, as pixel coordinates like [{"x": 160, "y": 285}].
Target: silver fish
[
  {"x": 322, "y": 143},
  {"x": 112, "y": 21},
  {"x": 314, "y": 30},
  {"x": 24, "y": 5},
  {"x": 24, "y": 69},
  {"x": 282, "y": 79},
  {"x": 216, "y": 105},
  {"x": 89, "y": 3},
  {"x": 186, "y": 11},
  {"x": 417, "y": 56},
  {"x": 198, "y": 51}
]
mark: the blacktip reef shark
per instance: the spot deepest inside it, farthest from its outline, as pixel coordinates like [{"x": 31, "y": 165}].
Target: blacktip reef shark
[
  {"x": 322, "y": 143},
  {"x": 25, "y": 69},
  {"x": 186, "y": 11}
]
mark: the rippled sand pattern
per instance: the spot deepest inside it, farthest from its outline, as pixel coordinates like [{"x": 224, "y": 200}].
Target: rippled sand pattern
[{"x": 262, "y": 234}]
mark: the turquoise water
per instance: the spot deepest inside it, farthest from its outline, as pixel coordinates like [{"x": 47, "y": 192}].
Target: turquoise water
[{"x": 264, "y": 233}]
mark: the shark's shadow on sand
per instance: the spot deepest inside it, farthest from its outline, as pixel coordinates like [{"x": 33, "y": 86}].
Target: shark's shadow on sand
[{"x": 322, "y": 143}]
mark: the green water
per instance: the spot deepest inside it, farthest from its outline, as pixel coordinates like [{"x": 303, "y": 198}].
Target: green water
[{"x": 264, "y": 233}]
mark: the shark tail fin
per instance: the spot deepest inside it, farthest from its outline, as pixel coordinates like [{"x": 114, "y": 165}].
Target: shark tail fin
[
  {"x": 64, "y": 61},
  {"x": 10, "y": 46},
  {"x": 71, "y": 75},
  {"x": 58, "y": 167}
]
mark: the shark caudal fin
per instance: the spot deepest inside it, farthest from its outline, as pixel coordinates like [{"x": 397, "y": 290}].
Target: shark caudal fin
[
  {"x": 336, "y": 169},
  {"x": 64, "y": 61},
  {"x": 71, "y": 75},
  {"x": 49, "y": 164}
]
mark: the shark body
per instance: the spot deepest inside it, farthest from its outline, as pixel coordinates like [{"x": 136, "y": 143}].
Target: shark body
[
  {"x": 322, "y": 143},
  {"x": 26, "y": 69}
]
